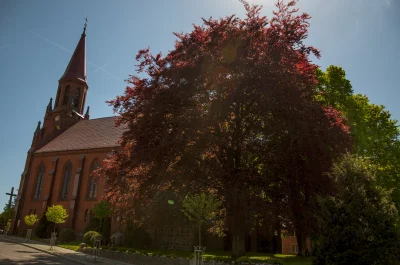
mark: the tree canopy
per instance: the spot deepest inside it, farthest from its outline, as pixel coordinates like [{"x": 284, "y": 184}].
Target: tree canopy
[
  {"x": 231, "y": 108},
  {"x": 359, "y": 224},
  {"x": 375, "y": 135},
  {"x": 56, "y": 214},
  {"x": 31, "y": 219}
]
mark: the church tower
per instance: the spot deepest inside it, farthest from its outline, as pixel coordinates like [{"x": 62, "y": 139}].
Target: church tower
[{"x": 70, "y": 98}]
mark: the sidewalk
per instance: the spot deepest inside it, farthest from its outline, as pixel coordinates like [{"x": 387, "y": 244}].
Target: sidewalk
[{"x": 64, "y": 253}]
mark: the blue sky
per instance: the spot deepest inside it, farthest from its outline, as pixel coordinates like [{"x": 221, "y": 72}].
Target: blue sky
[{"x": 38, "y": 37}]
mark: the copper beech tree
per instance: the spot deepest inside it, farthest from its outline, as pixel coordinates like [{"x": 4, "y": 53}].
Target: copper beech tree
[{"x": 231, "y": 109}]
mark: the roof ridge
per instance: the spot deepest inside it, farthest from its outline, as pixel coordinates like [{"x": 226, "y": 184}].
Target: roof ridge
[{"x": 102, "y": 118}]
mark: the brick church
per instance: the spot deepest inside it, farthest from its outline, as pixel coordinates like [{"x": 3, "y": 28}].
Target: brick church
[{"x": 65, "y": 150}]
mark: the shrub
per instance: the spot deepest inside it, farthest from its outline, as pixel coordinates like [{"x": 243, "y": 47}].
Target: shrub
[
  {"x": 67, "y": 235},
  {"x": 93, "y": 225},
  {"x": 44, "y": 228},
  {"x": 93, "y": 238},
  {"x": 88, "y": 236},
  {"x": 359, "y": 225},
  {"x": 136, "y": 237}
]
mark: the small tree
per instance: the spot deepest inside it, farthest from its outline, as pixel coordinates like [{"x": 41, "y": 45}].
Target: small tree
[
  {"x": 201, "y": 208},
  {"x": 30, "y": 220},
  {"x": 56, "y": 214},
  {"x": 101, "y": 211}
]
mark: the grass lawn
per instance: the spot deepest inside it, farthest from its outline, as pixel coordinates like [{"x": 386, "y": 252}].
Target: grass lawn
[
  {"x": 70, "y": 245},
  {"x": 214, "y": 255}
]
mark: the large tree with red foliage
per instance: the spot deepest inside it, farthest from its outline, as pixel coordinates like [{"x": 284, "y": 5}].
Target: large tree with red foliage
[{"x": 231, "y": 109}]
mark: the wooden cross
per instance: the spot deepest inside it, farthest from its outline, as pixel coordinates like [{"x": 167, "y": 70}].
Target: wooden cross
[{"x": 11, "y": 196}]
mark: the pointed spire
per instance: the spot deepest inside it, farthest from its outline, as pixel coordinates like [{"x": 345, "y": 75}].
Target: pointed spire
[
  {"x": 87, "y": 113},
  {"x": 38, "y": 127},
  {"x": 50, "y": 105},
  {"x": 76, "y": 68}
]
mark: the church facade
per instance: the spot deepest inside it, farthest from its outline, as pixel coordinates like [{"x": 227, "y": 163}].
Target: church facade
[{"x": 65, "y": 151}]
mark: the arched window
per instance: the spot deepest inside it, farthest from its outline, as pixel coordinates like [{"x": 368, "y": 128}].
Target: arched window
[
  {"x": 39, "y": 182},
  {"x": 77, "y": 97},
  {"x": 86, "y": 215},
  {"x": 92, "y": 194},
  {"x": 66, "y": 181},
  {"x": 66, "y": 95},
  {"x": 57, "y": 97}
]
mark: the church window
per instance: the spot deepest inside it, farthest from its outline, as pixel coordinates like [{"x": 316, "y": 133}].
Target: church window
[
  {"x": 66, "y": 182},
  {"x": 66, "y": 96},
  {"x": 57, "y": 97},
  {"x": 77, "y": 97},
  {"x": 92, "y": 182},
  {"x": 39, "y": 182},
  {"x": 86, "y": 215}
]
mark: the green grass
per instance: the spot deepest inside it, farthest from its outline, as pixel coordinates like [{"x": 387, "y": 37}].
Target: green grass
[
  {"x": 213, "y": 255},
  {"x": 71, "y": 245}
]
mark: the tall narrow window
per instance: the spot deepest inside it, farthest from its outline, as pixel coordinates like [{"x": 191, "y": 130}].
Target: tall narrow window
[
  {"x": 77, "y": 97},
  {"x": 66, "y": 95},
  {"x": 39, "y": 182},
  {"x": 92, "y": 182},
  {"x": 66, "y": 181}
]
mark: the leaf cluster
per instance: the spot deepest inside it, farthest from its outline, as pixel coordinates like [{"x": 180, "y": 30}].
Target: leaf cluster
[
  {"x": 56, "y": 214},
  {"x": 31, "y": 219}
]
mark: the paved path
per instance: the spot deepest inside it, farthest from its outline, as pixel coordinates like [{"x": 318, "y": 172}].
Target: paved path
[
  {"x": 16, "y": 254},
  {"x": 58, "y": 253}
]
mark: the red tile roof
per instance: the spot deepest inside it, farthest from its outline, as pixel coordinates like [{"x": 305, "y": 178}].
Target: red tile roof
[{"x": 86, "y": 134}]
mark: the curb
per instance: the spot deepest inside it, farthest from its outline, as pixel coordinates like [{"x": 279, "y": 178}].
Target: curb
[{"x": 53, "y": 253}]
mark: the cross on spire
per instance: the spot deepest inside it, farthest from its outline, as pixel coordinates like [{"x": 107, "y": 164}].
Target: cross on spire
[
  {"x": 85, "y": 25},
  {"x": 11, "y": 194}
]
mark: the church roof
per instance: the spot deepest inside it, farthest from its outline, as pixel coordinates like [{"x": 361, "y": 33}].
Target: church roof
[
  {"x": 76, "y": 68},
  {"x": 86, "y": 134}
]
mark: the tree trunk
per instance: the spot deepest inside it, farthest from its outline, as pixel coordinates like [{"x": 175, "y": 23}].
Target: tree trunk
[
  {"x": 238, "y": 235},
  {"x": 301, "y": 242},
  {"x": 254, "y": 242},
  {"x": 199, "y": 234}
]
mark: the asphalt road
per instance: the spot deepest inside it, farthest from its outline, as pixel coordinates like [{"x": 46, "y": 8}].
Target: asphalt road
[{"x": 13, "y": 254}]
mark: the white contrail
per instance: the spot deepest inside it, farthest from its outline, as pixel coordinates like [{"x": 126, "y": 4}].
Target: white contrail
[
  {"x": 51, "y": 42},
  {"x": 101, "y": 67},
  {"x": 70, "y": 52}
]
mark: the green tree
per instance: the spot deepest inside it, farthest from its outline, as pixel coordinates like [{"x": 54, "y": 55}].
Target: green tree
[
  {"x": 201, "y": 208},
  {"x": 101, "y": 211},
  {"x": 31, "y": 219},
  {"x": 375, "y": 135},
  {"x": 360, "y": 224},
  {"x": 56, "y": 214}
]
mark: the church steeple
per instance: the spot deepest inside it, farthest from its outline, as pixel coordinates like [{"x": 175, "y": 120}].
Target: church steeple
[
  {"x": 76, "y": 68},
  {"x": 73, "y": 84}
]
